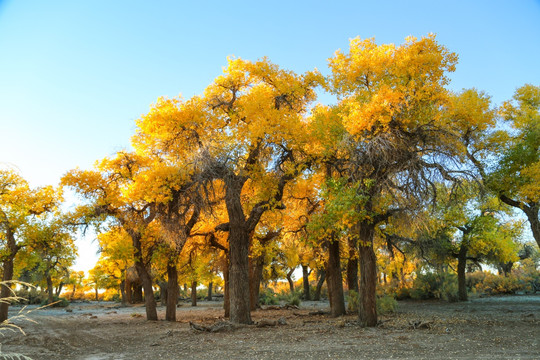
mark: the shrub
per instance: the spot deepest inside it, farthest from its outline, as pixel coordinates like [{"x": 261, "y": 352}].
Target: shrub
[
  {"x": 294, "y": 299},
  {"x": 386, "y": 304},
  {"x": 268, "y": 297},
  {"x": 435, "y": 286},
  {"x": 495, "y": 284},
  {"x": 57, "y": 302}
]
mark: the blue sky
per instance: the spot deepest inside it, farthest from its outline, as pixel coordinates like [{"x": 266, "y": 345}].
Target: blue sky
[{"x": 75, "y": 75}]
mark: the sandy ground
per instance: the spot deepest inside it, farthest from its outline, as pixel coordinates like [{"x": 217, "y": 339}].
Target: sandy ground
[{"x": 488, "y": 328}]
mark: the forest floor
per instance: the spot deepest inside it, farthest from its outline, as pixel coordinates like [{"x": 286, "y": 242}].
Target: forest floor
[{"x": 483, "y": 328}]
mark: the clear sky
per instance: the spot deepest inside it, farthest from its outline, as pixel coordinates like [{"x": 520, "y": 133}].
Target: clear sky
[{"x": 75, "y": 75}]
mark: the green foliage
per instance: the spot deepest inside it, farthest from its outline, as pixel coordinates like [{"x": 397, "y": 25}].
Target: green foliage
[
  {"x": 435, "y": 286},
  {"x": 294, "y": 299},
  {"x": 524, "y": 279},
  {"x": 386, "y": 304},
  {"x": 57, "y": 302},
  {"x": 268, "y": 297}
]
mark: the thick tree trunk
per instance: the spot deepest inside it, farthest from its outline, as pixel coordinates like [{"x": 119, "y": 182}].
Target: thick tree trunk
[
  {"x": 367, "y": 309},
  {"x": 462, "y": 263},
  {"x": 305, "y": 282},
  {"x": 290, "y": 280},
  {"x": 149, "y": 300},
  {"x": 193, "y": 293},
  {"x": 334, "y": 280},
  {"x": 320, "y": 283},
  {"x": 240, "y": 308},
  {"x": 209, "y": 295},
  {"x": 5, "y": 290},
  {"x": 172, "y": 292}
]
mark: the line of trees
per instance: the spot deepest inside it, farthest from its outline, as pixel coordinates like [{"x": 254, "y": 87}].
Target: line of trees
[{"x": 251, "y": 179}]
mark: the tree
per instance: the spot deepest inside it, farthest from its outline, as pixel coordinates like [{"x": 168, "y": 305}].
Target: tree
[
  {"x": 19, "y": 204},
  {"x": 390, "y": 102},
  {"x": 516, "y": 177},
  {"x": 53, "y": 246},
  {"x": 248, "y": 126},
  {"x": 481, "y": 234},
  {"x": 113, "y": 194}
]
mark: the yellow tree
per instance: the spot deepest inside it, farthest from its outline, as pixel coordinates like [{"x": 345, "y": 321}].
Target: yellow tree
[
  {"x": 390, "y": 102},
  {"x": 52, "y": 245},
  {"x": 18, "y": 205},
  {"x": 246, "y": 127},
  {"x": 113, "y": 193},
  {"x": 116, "y": 255}
]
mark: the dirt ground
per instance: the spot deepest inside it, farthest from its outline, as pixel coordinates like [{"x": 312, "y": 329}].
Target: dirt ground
[{"x": 484, "y": 328}]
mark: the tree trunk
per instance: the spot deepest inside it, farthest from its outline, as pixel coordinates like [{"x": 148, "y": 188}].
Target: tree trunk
[
  {"x": 137, "y": 294},
  {"x": 172, "y": 292},
  {"x": 290, "y": 280},
  {"x": 97, "y": 293},
  {"x": 193, "y": 293},
  {"x": 5, "y": 290},
  {"x": 209, "y": 295},
  {"x": 149, "y": 300},
  {"x": 226, "y": 297},
  {"x": 162, "y": 293},
  {"x": 320, "y": 283},
  {"x": 122, "y": 292},
  {"x": 462, "y": 263},
  {"x": 59, "y": 289},
  {"x": 255, "y": 277},
  {"x": 305, "y": 281},
  {"x": 367, "y": 307},
  {"x": 50, "y": 297},
  {"x": 352, "y": 266},
  {"x": 334, "y": 281},
  {"x": 240, "y": 308},
  {"x": 534, "y": 221}
]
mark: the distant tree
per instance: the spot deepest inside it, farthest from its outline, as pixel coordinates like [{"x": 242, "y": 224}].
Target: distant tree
[{"x": 19, "y": 204}]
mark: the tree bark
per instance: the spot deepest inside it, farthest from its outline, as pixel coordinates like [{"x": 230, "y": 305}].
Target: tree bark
[
  {"x": 7, "y": 276},
  {"x": 256, "y": 269},
  {"x": 462, "y": 263},
  {"x": 352, "y": 266},
  {"x": 209, "y": 295},
  {"x": 172, "y": 292},
  {"x": 305, "y": 282},
  {"x": 367, "y": 307},
  {"x": 149, "y": 300},
  {"x": 334, "y": 280},
  {"x": 50, "y": 297},
  {"x": 320, "y": 283},
  {"x": 226, "y": 297},
  {"x": 122, "y": 292},
  {"x": 5, "y": 290},
  {"x": 290, "y": 280},
  {"x": 193, "y": 293},
  {"x": 240, "y": 308}
]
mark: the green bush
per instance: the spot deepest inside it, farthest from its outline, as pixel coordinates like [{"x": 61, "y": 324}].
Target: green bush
[
  {"x": 435, "y": 286},
  {"x": 497, "y": 284},
  {"x": 268, "y": 297},
  {"x": 386, "y": 304},
  {"x": 57, "y": 302},
  {"x": 294, "y": 299}
]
